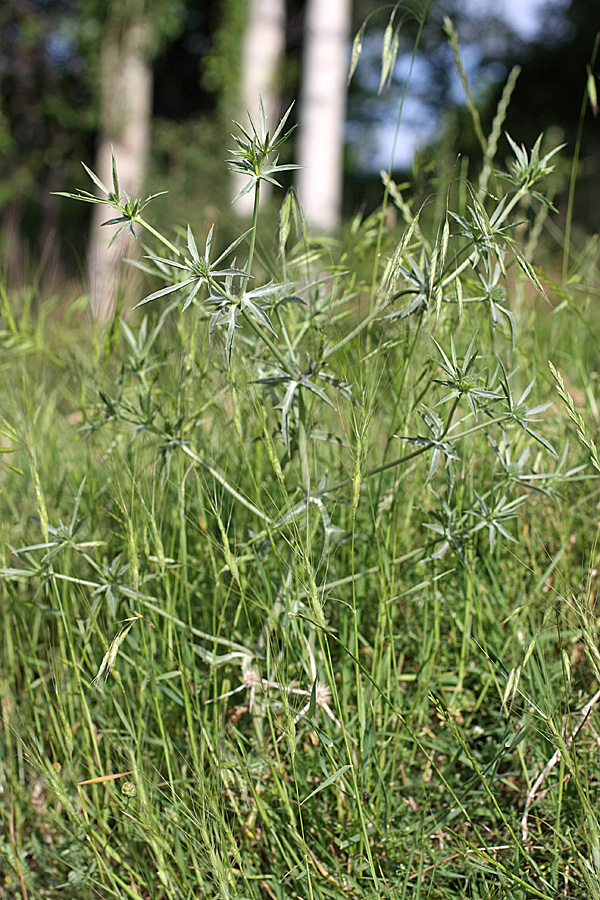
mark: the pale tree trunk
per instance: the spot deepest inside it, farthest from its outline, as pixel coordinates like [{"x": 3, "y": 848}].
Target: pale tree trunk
[
  {"x": 125, "y": 125},
  {"x": 264, "y": 44},
  {"x": 321, "y": 117}
]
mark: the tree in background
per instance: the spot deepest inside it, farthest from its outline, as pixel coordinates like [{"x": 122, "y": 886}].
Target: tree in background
[
  {"x": 263, "y": 49},
  {"x": 58, "y": 58},
  {"x": 47, "y": 120},
  {"x": 269, "y": 34},
  {"x": 551, "y": 91},
  {"x": 321, "y": 116},
  {"x": 547, "y": 96},
  {"x": 71, "y": 70},
  {"x": 132, "y": 35}
]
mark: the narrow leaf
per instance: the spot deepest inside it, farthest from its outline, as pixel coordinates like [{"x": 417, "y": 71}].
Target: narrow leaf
[
  {"x": 591, "y": 90},
  {"x": 388, "y": 54},
  {"x": 230, "y": 336},
  {"x": 258, "y": 314},
  {"x": 262, "y": 118},
  {"x": 316, "y": 390},
  {"x": 336, "y": 775},
  {"x": 170, "y": 289},
  {"x": 192, "y": 295},
  {"x": 286, "y": 406},
  {"x": 529, "y": 271},
  {"x": 279, "y": 128},
  {"x": 208, "y": 243},
  {"x": 356, "y": 51},
  {"x": 114, "y": 173},
  {"x": 192, "y": 245},
  {"x": 231, "y": 248},
  {"x": 96, "y": 180},
  {"x": 102, "y": 779},
  {"x": 284, "y": 222}
]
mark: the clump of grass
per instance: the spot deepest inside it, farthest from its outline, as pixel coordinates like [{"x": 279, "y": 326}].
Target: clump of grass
[{"x": 278, "y": 561}]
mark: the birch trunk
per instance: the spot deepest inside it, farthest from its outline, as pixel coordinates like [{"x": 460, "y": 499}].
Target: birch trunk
[
  {"x": 322, "y": 112},
  {"x": 264, "y": 44},
  {"x": 125, "y": 125}
]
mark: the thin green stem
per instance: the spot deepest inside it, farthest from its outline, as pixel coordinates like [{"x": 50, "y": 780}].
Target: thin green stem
[
  {"x": 466, "y": 626},
  {"x": 386, "y": 192},
  {"x": 283, "y": 362},
  {"x": 454, "y": 275},
  {"x": 374, "y": 314},
  {"x": 517, "y": 196},
  {"x": 574, "y": 166},
  {"x": 223, "y": 481},
  {"x": 254, "y": 227},
  {"x": 158, "y": 236},
  {"x": 414, "y": 453},
  {"x": 303, "y": 443}
]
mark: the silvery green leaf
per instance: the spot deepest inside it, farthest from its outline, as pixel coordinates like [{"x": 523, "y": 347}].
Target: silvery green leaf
[
  {"x": 82, "y": 195},
  {"x": 96, "y": 180},
  {"x": 262, "y": 119},
  {"x": 208, "y": 243},
  {"x": 246, "y": 190},
  {"x": 170, "y": 289},
  {"x": 257, "y": 312},
  {"x": 232, "y": 247},
  {"x": 215, "y": 319},
  {"x": 541, "y": 440},
  {"x": 120, "y": 231},
  {"x": 316, "y": 390},
  {"x": 191, "y": 243},
  {"x": 286, "y": 406},
  {"x": 267, "y": 290},
  {"x": 278, "y": 130},
  {"x": 222, "y": 273},
  {"x": 187, "y": 266},
  {"x": 114, "y": 173},
  {"x": 356, "y": 51},
  {"x": 115, "y": 221},
  {"x": 193, "y": 293},
  {"x": 230, "y": 334},
  {"x": 435, "y": 458}
]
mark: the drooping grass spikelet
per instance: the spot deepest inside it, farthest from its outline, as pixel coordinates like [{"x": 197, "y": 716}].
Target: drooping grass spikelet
[
  {"x": 576, "y": 418},
  {"x": 110, "y": 656},
  {"x": 462, "y": 74}
]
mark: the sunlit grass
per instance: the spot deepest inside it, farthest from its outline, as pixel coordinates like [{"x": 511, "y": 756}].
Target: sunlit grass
[{"x": 307, "y": 610}]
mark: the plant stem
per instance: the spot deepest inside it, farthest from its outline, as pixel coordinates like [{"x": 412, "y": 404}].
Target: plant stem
[
  {"x": 158, "y": 235},
  {"x": 362, "y": 325},
  {"x": 408, "y": 456},
  {"x": 223, "y": 481},
  {"x": 254, "y": 227},
  {"x": 283, "y": 362},
  {"x": 303, "y": 443},
  {"x": 386, "y": 193},
  {"x": 454, "y": 275},
  {"x": 574, "y": 166}
]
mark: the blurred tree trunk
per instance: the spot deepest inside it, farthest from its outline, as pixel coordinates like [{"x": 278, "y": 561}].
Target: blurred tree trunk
[
  {"x": 264, "y": 44},
  {"x": 125, "y": 125},
  {"x": 322, "y": 111}
]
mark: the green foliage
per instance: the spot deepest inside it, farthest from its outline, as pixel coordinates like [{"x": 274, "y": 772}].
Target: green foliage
[
  {"x": 222, "y": 70},
  {"x": 163, "y": 19},
  {"x": 295, "y": 607}
]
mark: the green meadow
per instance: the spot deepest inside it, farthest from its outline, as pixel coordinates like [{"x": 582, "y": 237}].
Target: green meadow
[{"x": 299, "y": 559}]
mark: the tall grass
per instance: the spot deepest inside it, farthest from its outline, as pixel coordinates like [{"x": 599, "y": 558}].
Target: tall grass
[{"x": 298, "y": 581}]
